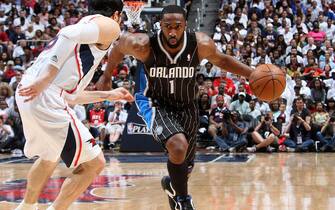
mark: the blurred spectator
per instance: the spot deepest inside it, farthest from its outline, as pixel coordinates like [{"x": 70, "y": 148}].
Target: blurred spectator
[
  {"x": 327, "y": 135},
  {"x": 97, "y": 119},
  {"x": 209, "y": 70},
  {"x": 6, "y": 136},
  {"x": 216, "y": 118},
  {"x": 318, "y": 91},
  {"x": 240, "y": 105},
  {"x": 7, "y": 93},
  {"x": 252, "y": 111},
  {"x": 116, "y": 122},
  {"x": 320, "y": 117}
]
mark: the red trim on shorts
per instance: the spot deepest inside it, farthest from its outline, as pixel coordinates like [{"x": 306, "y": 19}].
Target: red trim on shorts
[
  {"x": 79, "y": 136},
  {"x": 78, "y": 68}
]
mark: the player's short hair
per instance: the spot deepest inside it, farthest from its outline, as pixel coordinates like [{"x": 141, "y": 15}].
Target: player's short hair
[
  {"x": 104, "y": 7},
  {"x": 173, "y": 9}
]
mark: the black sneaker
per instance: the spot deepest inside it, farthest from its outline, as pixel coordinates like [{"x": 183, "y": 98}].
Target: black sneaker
[
  {"x": 168, "y": 189},
  {"x": 176, "y": 202}
]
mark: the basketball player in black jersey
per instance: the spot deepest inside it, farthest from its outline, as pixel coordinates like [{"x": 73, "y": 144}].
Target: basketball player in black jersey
[{"x": 168, "y": 101}]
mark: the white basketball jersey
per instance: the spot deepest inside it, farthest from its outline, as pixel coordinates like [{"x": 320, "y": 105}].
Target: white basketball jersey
[{"x": 78, "y": 69}]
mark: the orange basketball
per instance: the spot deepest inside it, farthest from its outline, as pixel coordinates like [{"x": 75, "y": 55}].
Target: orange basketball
[{"x": 267, "y": 82}]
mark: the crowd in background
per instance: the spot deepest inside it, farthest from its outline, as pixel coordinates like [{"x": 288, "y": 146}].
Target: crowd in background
[{"x": 296, "y": 35}]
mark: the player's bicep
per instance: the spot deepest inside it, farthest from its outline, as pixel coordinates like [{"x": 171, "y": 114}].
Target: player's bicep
[
  {"x": 207, "y": 50},
  {"x": 137, "y": 45},
  {"x": 60, "y": 49}
]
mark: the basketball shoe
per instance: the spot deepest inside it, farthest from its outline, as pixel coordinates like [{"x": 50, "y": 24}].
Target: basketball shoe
[{"x": 176, "y": 202}]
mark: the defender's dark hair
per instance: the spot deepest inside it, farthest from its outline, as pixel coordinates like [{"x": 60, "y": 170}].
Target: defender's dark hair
[
  {"x": 173, "y": 9},
  {"x": 104, "y": 7}
]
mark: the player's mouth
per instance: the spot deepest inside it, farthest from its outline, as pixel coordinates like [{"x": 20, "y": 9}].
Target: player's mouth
[{"x": 173, "y": 41}]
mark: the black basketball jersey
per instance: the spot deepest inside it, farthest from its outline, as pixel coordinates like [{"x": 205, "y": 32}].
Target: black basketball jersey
[{"x": 172, "y": 81}]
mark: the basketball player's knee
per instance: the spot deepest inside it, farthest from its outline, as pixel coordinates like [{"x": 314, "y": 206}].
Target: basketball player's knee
[
  {"x": 95, "y": 166},
  {"x": 177, "y": 147}
]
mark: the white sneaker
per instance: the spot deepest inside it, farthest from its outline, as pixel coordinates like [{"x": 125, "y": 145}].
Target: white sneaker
[
  {"x": 270, "y": 149},
  {"x": 290, "y": 149},
  {"x": 251, "y": 149},
  {"x": 17, "y": 153}
]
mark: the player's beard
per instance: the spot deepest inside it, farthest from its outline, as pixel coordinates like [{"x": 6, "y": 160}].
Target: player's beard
[{"x": 172, "y": 46}]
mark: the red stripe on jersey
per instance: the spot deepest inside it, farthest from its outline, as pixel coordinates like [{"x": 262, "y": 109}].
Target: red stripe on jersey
[
  {"x": 79, "y": 136},
  {"x": 78, "y": 68}
]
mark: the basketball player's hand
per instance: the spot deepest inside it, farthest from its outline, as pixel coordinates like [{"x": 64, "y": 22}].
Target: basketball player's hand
[
  {"x": 104, "y": 83},
  {"x": 31, "y": 91},
  {"x": 120, "y": 94}
]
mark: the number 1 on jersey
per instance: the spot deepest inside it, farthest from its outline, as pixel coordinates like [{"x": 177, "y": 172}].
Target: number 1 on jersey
[{"x": 172, "y": 87}]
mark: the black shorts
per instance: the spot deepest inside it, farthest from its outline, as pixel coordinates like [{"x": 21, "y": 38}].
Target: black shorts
[{"x": 169, "y": 122}]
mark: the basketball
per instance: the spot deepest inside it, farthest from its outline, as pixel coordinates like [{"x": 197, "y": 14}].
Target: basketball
[{"x": 267, "y": 82}]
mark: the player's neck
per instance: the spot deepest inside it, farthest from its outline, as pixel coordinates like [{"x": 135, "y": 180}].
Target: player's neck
[{"x": 172, "y": 51}]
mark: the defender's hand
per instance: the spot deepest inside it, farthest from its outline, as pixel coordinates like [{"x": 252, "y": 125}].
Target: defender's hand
[
  {"x": 120, "y": 94},
  {"x": 104, "y": 83},
  {"x": 31, "y": 91}
]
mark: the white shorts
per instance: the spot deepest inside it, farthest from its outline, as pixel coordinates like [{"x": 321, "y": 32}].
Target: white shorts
[{"x": 52, "y": 129}]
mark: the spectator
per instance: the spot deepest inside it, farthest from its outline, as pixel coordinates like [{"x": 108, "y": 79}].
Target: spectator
[
  {"x": 318, "y": 92},
  {"x": 331, "y": 106},
  {"x": 6, "y": 136},
  {"x": 209, "y": 70},
  {"x": 298, "y": 134},
  {"x": 233, "y": 132},
  {"x": 7, "y": 93},
  {"x": 265, "y": 134},
  {"x": 327, "y": 135},
  {"x": 116, "y": 122},
  {"x": 97, "y": 119},
  {"x": 9, "y": 71},
  {"x": 253, "y": 112},
  {"x": 320, "y": 117},
  {"x": 316, "y": 34},
  {"x": 216, "y": 118},
  {"x": 240, "y": 105}
]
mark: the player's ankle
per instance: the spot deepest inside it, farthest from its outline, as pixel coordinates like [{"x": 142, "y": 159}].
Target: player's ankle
[{"x": 27, "y": 206}]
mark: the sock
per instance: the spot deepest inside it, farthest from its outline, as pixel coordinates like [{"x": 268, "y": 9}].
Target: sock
[
  {"x": 26, "y": 206},
  {"x": 178, "y": 174},
  {"x": 50, "y": 208}
]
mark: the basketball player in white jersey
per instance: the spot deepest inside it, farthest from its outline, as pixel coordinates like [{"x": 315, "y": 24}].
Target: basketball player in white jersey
[{"x": 58, "y": 78}]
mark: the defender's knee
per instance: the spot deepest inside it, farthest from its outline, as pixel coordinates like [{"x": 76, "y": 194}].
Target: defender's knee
[{"x": 177, "y": 147}]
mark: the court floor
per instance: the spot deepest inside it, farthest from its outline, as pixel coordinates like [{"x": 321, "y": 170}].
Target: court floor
[{"x": 282, "y": 181}]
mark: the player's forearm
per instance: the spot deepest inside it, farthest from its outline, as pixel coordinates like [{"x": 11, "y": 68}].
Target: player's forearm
[
  {"x": 87, "y": 97},
  {"x": 45, "y": 79},
  {"x": 234, "y": 66}
]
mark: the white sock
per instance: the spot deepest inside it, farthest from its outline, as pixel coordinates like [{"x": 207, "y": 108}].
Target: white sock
[
  {"x": 26, "y": 206},
  {"x": 51, "y": 208}
]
